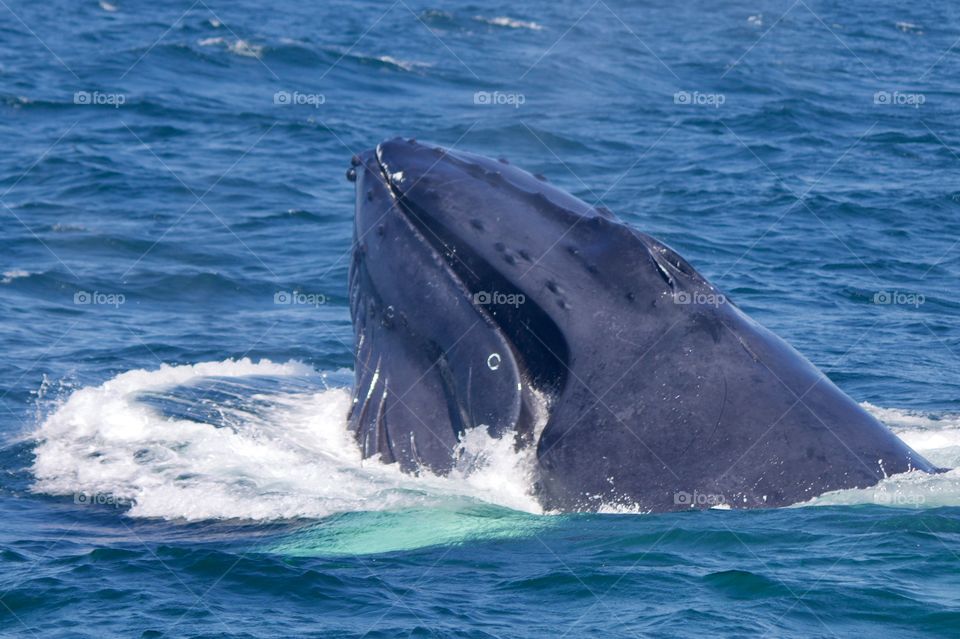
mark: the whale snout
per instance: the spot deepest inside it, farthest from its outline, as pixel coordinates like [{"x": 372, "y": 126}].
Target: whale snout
[{"x": 404, "y": 162}]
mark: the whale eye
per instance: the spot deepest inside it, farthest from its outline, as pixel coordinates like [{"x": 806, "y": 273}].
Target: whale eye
[
  {"x": 493, "y": 362},
  {"x": 388, "y": 314}
]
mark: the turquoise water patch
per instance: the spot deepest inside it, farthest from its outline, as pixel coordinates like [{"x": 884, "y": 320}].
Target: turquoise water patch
[{"x": 367, "y": 533}]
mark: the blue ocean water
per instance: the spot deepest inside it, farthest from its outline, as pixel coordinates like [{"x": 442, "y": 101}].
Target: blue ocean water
[{"x": 177, "y": 343}]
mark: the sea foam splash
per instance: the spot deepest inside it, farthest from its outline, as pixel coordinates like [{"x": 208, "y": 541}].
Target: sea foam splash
[
  {"x": 283, "y": 455},
  {"x": 283, "y": 452},
  {"x": 935, "y": 437}
]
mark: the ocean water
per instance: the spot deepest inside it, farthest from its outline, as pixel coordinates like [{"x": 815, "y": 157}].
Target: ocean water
[{"x": 173, "y": 460}]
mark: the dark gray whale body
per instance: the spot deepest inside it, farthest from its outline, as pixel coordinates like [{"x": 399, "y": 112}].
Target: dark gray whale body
[{"x": 483, "y": 296}]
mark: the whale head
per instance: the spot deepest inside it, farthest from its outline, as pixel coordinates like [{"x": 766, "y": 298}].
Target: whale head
[{"x": 483, "y": 296}]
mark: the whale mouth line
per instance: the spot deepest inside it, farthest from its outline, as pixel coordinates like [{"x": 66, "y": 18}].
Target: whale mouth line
[{"x": 537, "y": 342}]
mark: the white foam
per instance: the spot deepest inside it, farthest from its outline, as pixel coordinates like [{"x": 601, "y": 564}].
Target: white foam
[
  {"x": 406, "y": 65},
  {"x": 491, "y": 467},
  {"x": 244, "y": 48},
  {"x": 935, "y": 437},
  {"x": 909, "y": 27},
  {"x": 511, "y": 23},
  {"x": 9, "y": 276},
  {"x": 106, "y": 6},
  {"x": 238, "y": 47},
  {"x": 296, "y": 459}
]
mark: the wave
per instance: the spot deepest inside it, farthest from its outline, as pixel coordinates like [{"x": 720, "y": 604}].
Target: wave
[
  {"x": 237, "y": 47},
  {"x": 405, "y": 65},
  {"x": 14, "y": 274}
]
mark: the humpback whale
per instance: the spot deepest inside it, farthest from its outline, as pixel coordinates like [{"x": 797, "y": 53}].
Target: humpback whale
[{"x": 484, "y": 297}]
